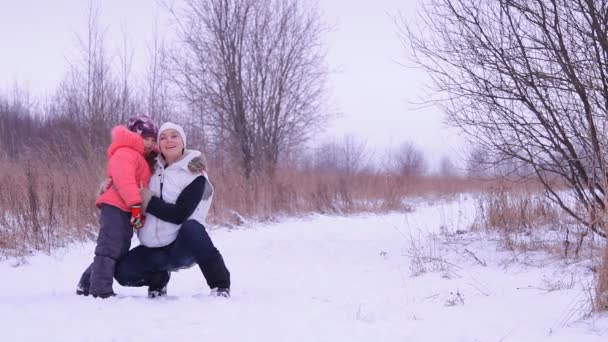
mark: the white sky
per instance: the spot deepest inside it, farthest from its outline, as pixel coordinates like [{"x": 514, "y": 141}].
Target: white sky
[{"x": 371, "y": 91}]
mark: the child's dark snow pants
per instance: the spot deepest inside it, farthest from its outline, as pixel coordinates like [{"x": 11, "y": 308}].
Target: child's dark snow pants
[{"x": 113, "y": 243}]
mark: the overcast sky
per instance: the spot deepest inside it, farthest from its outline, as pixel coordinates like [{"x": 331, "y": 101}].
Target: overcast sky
[{"x": 372, "y": 92}]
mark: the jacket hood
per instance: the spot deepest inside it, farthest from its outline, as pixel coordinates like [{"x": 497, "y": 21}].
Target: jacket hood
[{"x": 122, "y": 137}]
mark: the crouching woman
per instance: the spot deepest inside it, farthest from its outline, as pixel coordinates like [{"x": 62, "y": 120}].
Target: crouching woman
[{"x": 173, "y": 235}]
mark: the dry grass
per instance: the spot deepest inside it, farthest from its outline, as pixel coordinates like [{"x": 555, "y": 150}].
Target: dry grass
[
  {"x": 297, "y": 192},
  {"x": 43, "y": 206},
  {"x": 46, "y": 202},
  {"x": 294, "y": 192},
  {"x": 427, "y": 255},
  {"x": 526, "y": 221},
  {"x": 601, "y": 293}
]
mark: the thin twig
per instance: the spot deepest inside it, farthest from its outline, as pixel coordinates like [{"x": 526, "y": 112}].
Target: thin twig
[
  {"x": 482, "y": 263},
  {"x": 480, "y": 290}
]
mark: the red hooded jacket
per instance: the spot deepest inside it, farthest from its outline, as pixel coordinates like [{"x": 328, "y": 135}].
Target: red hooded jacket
[{"x": 127, "y": 169}]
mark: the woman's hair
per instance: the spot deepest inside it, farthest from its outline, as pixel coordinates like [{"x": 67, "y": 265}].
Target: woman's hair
[{"x": 151, "y": 159}]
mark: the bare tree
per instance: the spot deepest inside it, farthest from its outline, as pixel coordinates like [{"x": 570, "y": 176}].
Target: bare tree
[
  {"x": 478, "y": 163},
  {"x": 92, "y": 95},
  {"x": 18, "y": 124},
  {"x": 355, "y": 154},
  {"x": 409, "y": 161},
  {"x": 97, "y": 68},
  {"x": 528, "y": 81},
  {"x": 490, "y": 164},
  {"x": 253, "y": 72},
  {"x": 128, "y": 103},
  {"x": 347, "y": 157},
  {"x": 447, "y": 167},
  {"x": 157, "y": 78}
]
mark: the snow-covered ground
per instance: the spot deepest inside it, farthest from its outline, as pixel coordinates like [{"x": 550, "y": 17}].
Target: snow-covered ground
[{"x": 360, "y": 278}]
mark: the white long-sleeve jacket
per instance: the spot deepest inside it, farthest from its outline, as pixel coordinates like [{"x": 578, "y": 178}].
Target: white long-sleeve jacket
[{"x": 168, "y": 183}]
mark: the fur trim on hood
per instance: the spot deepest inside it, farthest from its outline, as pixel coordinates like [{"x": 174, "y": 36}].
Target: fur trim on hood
[{"x": 122, "y": 137}]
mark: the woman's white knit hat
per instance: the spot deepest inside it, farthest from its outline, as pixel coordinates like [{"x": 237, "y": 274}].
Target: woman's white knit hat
[{"x": 171, "y": 125}]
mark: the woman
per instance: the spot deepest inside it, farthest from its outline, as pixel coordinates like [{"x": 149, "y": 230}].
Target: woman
[{"x": 173, "y": 235}]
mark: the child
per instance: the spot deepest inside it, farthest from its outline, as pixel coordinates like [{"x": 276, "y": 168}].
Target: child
[{"x": 120, "y": 204}]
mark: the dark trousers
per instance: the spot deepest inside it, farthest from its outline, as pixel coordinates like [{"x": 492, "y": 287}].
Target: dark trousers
[
  {"x": 142, "y": 265},
  {"x": 113, "y": 243}
]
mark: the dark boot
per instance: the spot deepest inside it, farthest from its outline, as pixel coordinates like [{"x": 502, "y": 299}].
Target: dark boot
[
  {"x": 105, "y": 295},
  {"x": 82, "y": 289},
  {"x": 158, "y": 284},
  {"x": 220, "y": 292},
  {"x": 216, "y": 273}
]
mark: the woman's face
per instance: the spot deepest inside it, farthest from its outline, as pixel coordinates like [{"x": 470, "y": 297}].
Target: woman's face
[
  {"x": 149, "y": 143},
  {"x": 171, "y": 144}
]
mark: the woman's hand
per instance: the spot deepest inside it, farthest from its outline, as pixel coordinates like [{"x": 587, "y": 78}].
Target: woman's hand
[{"x": 146, "y": 196}]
